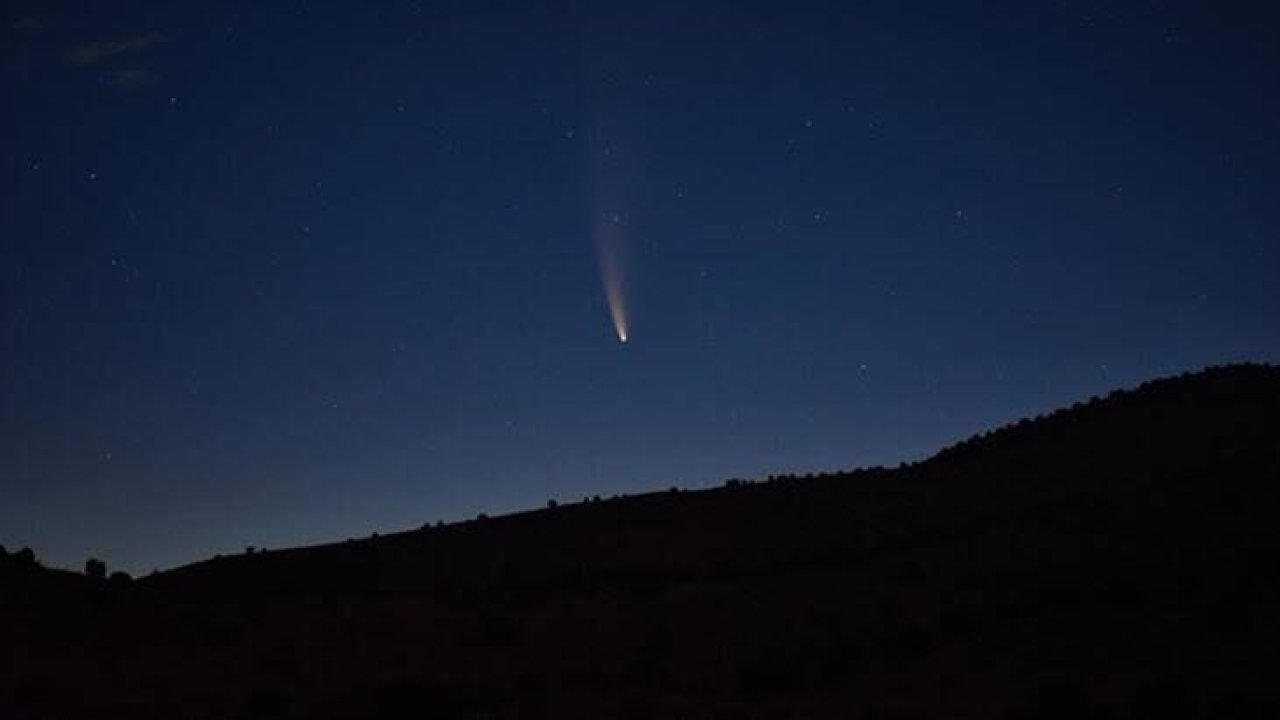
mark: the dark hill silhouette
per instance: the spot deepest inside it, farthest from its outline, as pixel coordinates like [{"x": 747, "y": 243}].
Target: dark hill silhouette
[{"x": 1115, "y": 559}]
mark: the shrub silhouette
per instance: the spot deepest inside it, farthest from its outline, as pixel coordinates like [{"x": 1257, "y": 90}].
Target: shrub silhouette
[
  {"x": 529, "y": 691},
  {"x": 33, "y": 691},
  {"x": 770, "y": 674},
  {"x": 264, "y": 703},
  {"x": 883, "y": 712},
  {"x": 651, "y": 665},
  {"x": 1169, "y": 697},
  {"x": 1067, "y": 701},
  {"x": 497, "y": 631},
  {"x": 904, "y": 642},
  {"x": 839, "y": 660},
  {"x": 95, "y": 569},
  {"x": 408, "y": 697},
  {"x": 638, "y": 708}
]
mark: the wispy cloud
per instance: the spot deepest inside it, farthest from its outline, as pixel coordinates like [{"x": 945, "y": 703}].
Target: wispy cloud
[
  {"x": 28, "y": 25},
  {"x": 130, "y": 78},
  {"x": 95, "y": 53}
]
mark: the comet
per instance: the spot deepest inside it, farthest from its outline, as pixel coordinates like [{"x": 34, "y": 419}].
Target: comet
[
  {"x": 609, "y": 250},
  {"x": 611, "y": 172}
]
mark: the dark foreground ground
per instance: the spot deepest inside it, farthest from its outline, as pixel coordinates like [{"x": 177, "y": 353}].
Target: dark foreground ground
[{"x": 1117, "y": 559}]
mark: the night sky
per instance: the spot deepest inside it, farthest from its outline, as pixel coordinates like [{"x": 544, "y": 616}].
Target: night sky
[{"x": 283, "y": 273}]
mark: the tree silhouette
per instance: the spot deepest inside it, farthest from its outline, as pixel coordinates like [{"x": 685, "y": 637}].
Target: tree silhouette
[{"x": 95, "y": 569}]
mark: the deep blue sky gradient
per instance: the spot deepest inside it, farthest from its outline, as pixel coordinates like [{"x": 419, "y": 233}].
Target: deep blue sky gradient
[{"x": 281, "y": 273}]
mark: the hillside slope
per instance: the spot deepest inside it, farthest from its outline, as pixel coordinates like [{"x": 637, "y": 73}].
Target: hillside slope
[{"x": 1115, "y": 559}]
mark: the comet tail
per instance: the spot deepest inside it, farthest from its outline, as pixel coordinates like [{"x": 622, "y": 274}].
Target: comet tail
[{"x": 614, "y": 284}]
